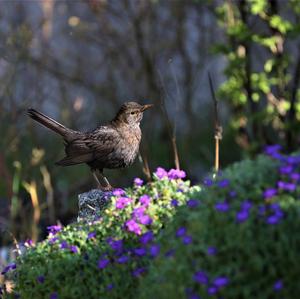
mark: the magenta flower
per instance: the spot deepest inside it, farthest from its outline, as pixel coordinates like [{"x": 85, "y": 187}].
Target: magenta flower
[
  {"x": 145, "y": 200},
  {"x": 118, "y": 192},
  {"x": 145, "y": 219},
  {"x": 134, "y": 227},
  {"x": 138, "y": 182},
  {"x": 122, "y": 202},
  {"x": 175, "y": 174},
  {"x": 161, "y": 173}
]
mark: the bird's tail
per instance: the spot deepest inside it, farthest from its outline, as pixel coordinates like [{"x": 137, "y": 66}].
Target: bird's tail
[{"x": 48, "y": 122}]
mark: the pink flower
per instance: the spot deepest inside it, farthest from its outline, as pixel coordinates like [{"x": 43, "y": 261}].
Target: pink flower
[
  {"x": 122, "y": 202},
  {"x": 134, "y": 227}
]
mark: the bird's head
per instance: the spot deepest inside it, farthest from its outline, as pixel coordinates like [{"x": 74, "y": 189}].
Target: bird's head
[{"x": 131, "y": 113}]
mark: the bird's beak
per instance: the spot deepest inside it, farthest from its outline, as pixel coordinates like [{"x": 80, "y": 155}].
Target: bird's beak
[{"x": 145, "y": 107}]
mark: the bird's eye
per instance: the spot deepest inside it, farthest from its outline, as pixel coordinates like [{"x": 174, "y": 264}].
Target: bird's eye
[{"x": 133, "y": 112}]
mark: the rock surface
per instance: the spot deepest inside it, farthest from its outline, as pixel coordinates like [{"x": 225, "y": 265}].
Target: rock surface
[{"x": 91, "y": 204}]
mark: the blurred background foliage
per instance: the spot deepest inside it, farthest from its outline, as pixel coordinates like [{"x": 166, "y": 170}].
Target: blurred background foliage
[{"x": 78, "y": 61}]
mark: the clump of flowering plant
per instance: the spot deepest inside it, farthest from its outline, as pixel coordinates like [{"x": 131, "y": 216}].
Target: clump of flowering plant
[
  {"x": 240, "y": 241},
  {"x": 120, "y": 243}
]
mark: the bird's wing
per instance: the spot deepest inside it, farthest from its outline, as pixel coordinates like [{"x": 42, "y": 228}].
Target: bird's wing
[{"x": 90, "y": 146}]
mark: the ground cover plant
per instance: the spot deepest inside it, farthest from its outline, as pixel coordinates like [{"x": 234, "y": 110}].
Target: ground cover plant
[
  {"x": 239, "y": 238},
  {"x": 236, "y": 236}
]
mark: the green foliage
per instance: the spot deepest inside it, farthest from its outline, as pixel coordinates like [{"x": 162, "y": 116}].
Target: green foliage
[
  {"x": 67, "y": 263},
  {"x": 262, "y": 75},
  {"x": 256, "y": 257}
]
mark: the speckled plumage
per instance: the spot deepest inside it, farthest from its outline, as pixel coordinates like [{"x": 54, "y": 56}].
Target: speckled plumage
[{"x": 114, "y": 145}]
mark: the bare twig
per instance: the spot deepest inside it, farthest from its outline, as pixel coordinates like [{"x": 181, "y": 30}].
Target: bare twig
[
  {"x": 218, "y": 128},
  {"x": 171, "y": 128}
]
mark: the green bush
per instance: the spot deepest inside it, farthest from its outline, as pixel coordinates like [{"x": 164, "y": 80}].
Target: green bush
[
  {"x": 106, "y": 257},
  {"x": 239, "y": 238}
]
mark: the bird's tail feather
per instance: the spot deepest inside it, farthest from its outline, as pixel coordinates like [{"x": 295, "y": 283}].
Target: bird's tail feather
[{"x": 48, "y": 122}]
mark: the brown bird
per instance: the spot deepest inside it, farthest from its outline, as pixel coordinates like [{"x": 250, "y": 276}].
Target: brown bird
[{"x": 111, "y": 146}]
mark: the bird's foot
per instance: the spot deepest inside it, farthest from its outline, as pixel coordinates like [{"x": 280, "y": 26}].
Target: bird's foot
[{"x": 106, "y": 188}]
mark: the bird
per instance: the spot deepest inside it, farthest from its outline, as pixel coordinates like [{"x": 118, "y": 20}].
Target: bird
[{"x": 110, "y": 146}]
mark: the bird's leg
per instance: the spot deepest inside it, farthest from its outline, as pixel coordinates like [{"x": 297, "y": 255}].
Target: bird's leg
[
  {"x": 96, "y": 178},
  {"x": 107, "y": 186}
]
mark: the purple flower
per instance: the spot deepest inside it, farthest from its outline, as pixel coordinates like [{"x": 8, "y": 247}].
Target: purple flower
[
  {"x": 246, "y": 205},
  {"x": 295, "y": 176},
  {"x": 194, "y": 296},
  {"x": 187, "y": 240},
  {"x": 269, "y": 193},
  {"x": 73, "y": 249},
  {"x": 63, "y": 245},
  {"x": 116, "y": 245},
  {"x": 138, "y": 182},
  {"x": 211, "y": 250},
  {"x": 271, "y": 149},
  {"x": 232, "y": 193},
  {"x": 103, "y": 263},
  {"x": 175, "y": 174},
  {"x": 29, "y": 243},
  {"x": 52, "y": 240},
  {"x": 54, "y": 229},
  {"x": 145, "y": 219},
  {"x": 154, "y": 250},
  {"x": 123, "y": 259},
  {"x": 54, "y": 295},
  {"x": 145, "y": 200},
  {"x": 286, "y": 169},
  {"x": 221, "y": 281},
  {"x": 174, "y": 203},
  {"x": 118, "y": 192},
  {"x": 208, "y": 182},
  {"x": 40, "y": 279},
  {"x": 91, "y": 235},
  {"x": 273, "y": 219},
  {"x": 110, "y": 287},
  {"x": 242, "y": 216},
  {"x": 138, "y": 272},
  {"x": 181, "y": 232},
  {"x": 134, "y": 227},
  {"x": 146, "y": 237},
  {"x": 286, "y": 186},
  {"x": 222, "y": 206},
  {"x": 223, "y": 183},
  {"x": 201, "y": 277},
  {"x": 278, "y": 285},
  {"x": 212, "y": 290},
  {"x": 140, "y": 251},
  {"x": 170, "y": 253},
  {"x": 122, "y": 202},
  {"x": 161, "y": 173},
  {"x": 193, "y": 203},
  {"x": 8, "y": 268}
]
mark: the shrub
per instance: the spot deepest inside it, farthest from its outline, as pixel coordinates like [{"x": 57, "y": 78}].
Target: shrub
[
  {"x": 103, "y": 258},
  {"x": 238, "y": 238}
]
